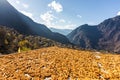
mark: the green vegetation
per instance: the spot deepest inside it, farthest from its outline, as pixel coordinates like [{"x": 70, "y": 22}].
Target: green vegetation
[{"x": 11, "y": 41}]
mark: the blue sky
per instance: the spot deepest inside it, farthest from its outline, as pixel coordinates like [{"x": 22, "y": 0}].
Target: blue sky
[{"x": 68, "y": 14}]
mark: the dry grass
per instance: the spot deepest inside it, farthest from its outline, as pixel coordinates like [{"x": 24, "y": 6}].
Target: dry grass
[{"x": 59, "y": 64}]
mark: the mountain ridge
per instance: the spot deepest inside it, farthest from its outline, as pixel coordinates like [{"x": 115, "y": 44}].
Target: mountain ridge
[
  {"x": 12, "y": 18},
  {"x": 12, "y": 41},
  {"x": 106, "y": 34},
  {"x": 61, "y": 31}
]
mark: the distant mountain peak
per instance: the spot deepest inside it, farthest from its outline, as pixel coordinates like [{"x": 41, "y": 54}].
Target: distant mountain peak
[
  {"x": 85, "y": 25},
  {"x": 104, "y": 36},
  {"x": 61, "y": 31}
]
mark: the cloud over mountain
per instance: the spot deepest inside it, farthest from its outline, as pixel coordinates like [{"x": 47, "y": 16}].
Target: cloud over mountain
[
  {"x": 27, "y": 14},
  {"x": 56, "y": 6}
]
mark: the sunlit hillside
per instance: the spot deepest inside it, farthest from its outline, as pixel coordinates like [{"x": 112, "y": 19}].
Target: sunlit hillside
[{"x": 55, "y": 63}]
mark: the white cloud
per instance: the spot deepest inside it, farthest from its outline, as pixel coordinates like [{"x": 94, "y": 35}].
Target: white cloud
[
  {"x": 51, "y": 21},
  {"x": 67, "y": 26},
  {"x": 47, "y": 18},
  {"x": 25, "y": 5},
  {"x": 79, "y": 16},
  {"x": 56, "y": 6},
  {"x": 69, "y": 22},
  {"x": 118, "y": 13},
  {"x": 17, "y": 1},
  {"x": 62, "y": 21},
  {"x": 27, "y": 14},
  {"x": 70, "y": 26}
]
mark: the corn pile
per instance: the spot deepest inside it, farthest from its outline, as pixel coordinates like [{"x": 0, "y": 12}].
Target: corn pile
[{"x": 55, "y": 63}]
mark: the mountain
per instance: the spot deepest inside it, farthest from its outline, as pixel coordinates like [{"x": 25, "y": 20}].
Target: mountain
[
  {"x": 61, "y": 31},
  {"x": 110, "y": 30},
  {"x": 12, "y": 18},
  {"x": 11, "y": 41},
  {"x": 104, "y": 36},
  {"x": 85, "y": 36}
]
